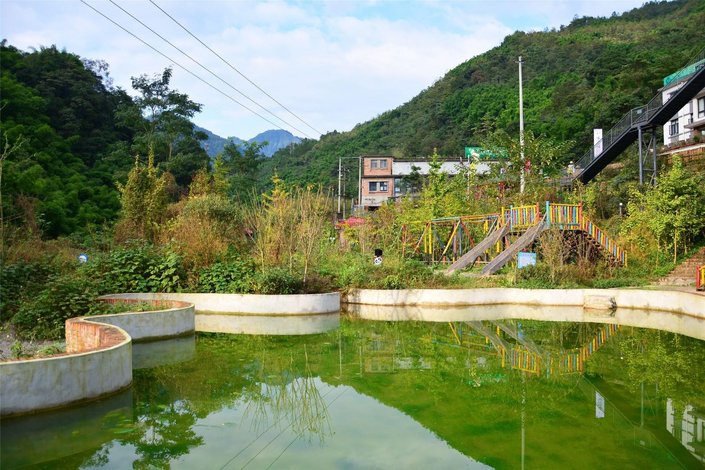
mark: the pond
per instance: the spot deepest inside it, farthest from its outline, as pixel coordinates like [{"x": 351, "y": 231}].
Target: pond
[{"x": 500, "y": 393}]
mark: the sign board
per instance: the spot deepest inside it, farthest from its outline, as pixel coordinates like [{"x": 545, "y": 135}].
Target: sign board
[
  {"x": 526, "y": 259},
  {"x": 480, "y": 153},
  {"x": 597, "y": 141}
]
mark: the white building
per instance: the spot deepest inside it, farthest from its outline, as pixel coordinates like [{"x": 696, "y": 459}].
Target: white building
[{"x": 684, "y": 131}]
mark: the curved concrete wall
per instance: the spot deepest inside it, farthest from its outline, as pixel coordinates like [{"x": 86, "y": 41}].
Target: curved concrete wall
[
  {"x": 98, "y": 360},
  {"x": 655, "y": 300},
  {"x": 39, "y": 384},
  {"x": 179, "y": 320},
  {"x": 251, "y": 304}
]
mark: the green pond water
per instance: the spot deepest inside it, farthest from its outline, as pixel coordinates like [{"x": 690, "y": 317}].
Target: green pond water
[{"x": 377, "y": 394}]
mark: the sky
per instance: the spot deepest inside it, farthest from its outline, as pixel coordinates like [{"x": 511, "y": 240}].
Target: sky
[{"x": 332, "y": 63}]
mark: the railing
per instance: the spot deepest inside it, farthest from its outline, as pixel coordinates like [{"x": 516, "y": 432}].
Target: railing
[
  {"x": 608, "y": 244},
  {"x": 571, "y": 217},
  {"x": 633, "y": 117},
  {"x": 565, "y": 216},
  {"x": 521, "y": 217},
  {"x": 445, "y": 239}
]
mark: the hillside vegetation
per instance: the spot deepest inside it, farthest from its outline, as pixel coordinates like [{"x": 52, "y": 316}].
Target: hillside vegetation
[{"x": 582, "y": 76}]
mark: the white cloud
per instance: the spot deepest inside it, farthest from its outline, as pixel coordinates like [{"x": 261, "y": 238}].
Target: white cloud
[{"x": 335, "y": 63}]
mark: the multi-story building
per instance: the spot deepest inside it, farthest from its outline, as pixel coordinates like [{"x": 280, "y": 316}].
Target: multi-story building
[
  {"x": 685, "y": 130},
  {"x": 383, "y": 176}
]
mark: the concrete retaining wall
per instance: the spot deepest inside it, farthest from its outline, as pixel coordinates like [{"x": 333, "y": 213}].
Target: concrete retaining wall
[
  {"x": 98, "y": 359},
  {"x": 654, "y": 300},
  {"x": 39, "y": 384},
  {"x": 251, "y": 304},
  {"x": 176, "y": 321}
]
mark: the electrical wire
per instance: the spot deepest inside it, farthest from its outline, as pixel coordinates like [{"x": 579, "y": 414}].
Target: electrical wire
[
  {"x": 179, "y": 65},
  {"x": 208, "y": 70},
  {"x": 234, "y": 68}
]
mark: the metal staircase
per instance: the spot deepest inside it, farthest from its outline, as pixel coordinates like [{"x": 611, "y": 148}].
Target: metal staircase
[{"x": 649, "y": 117}]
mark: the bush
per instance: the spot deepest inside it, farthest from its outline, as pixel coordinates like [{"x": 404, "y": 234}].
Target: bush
[
  {"x": 276, "y": 281},
  {"x": 19, "y": 281},
  {"x": 227, "y": 277},
  {"x": 138, "y": 268},
  {"x": 63, "y": 297}
]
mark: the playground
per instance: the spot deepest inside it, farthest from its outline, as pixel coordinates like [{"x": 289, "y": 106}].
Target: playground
[{"x": 495, "y": 239}]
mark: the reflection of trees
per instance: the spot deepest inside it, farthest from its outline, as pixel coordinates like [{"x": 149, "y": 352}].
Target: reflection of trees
[
  {"x": 284, "y": 394},
  {"x": 671, "y": 362},
  {"x": 162, "y": 430}
]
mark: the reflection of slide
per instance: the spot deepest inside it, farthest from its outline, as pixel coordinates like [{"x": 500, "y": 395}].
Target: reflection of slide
[
  {"x": 522, "y": 242},
  {"x": 468, "y": 259}
]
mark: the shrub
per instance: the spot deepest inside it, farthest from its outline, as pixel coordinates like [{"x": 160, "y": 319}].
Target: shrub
[
  {"x": 138, "y": 268},
  {"x": 277, "y": 281},
  {"x": 21, "y": 280},
  {"x": 63, "y": 297},
  {"x": 227, "y": 277}
]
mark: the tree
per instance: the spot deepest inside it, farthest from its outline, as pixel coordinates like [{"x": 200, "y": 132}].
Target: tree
[
  {"x": 235, "y": 169},
  {"x": 161, "y": 117},
  {"x": 143, "y": 200},
  {"x": 672, "y": 212}
]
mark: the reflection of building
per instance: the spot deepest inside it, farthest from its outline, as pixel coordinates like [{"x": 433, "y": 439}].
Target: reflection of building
[
  {"x": 690, "y": 431},
  {"x": 684, "y": 131}
]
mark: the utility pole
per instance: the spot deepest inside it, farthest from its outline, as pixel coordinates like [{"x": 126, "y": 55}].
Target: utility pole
[
  {"x": 522, "y": 181},
  {"x": 359, "y": 181},
  {"x": 340, "y": 179}
]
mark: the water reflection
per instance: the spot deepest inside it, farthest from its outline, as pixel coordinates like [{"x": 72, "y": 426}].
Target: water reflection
[{"x": 469, "y": 392}]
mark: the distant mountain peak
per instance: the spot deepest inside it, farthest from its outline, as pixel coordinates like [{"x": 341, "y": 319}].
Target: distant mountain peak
[{"x": 276, "y": 139}]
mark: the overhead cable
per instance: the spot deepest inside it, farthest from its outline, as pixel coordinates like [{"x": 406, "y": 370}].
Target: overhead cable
[
  {"x": 234, "y": 68},
  {"x": 208, "y": 70},
  {"x": 179, "y": 65}
]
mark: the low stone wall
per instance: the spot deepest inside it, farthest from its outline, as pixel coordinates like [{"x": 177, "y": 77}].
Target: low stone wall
[
  {"x": 654, "y": 300},
  {"x": 99, "y": 363},
  {"x": 248, "y": 304}
]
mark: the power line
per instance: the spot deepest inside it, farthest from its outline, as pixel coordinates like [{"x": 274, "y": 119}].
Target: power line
[
  {"x": 208, "y": 70},
  {"x": 234, "y": 68},
  {"x": 179, "y": 65}
]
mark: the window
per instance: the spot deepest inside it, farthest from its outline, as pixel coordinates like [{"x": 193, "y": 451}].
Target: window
[
  {"x": 701, "y": 107},
  {"x": 673, "y": 128},
  {"x": 375, "y": 164},
  {"x": 378, "y": 186}
]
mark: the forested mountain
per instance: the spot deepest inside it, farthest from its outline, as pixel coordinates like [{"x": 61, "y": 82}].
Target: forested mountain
[
  {"x": 68, "y": 136},
  {"x": 214, "y": 144},
  {"x": 576, "y": 78},
  {"x": 275, "y": 139}
]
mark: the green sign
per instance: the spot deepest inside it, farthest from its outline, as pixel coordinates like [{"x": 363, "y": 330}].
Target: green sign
[{"x": 481, "y": 153}]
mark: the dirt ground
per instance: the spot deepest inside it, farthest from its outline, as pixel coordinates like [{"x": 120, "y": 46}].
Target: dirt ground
[{"x": 10, "y": 346}]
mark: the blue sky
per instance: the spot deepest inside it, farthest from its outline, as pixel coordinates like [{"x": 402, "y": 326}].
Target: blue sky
[{"x": 334, "y": 63}]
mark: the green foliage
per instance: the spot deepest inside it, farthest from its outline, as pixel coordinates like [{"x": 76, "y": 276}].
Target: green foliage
[
  {"x": 62, "y": 297},
  {"x": 235, "y": 169},
  {"x": 61, "y": 113},
  {"x": 143, "y": 200},
  {"x": 138, "y": 268},
  {"x": 672, "y": 213},
  {"x": 231, "y": 277},
  {"x": 19, "y": 281},
  {"x": 276, "y": 280}
]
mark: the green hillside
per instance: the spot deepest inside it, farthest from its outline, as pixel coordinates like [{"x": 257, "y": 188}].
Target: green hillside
[{"x": 581, "y": 76}]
